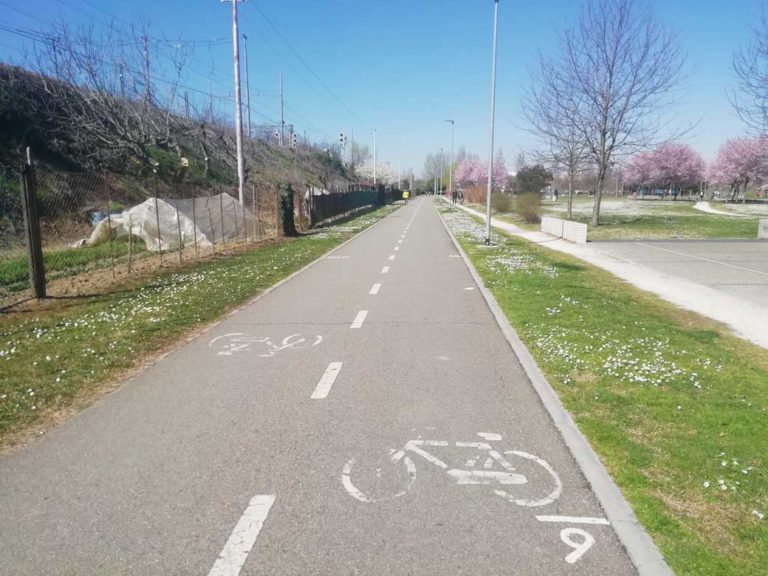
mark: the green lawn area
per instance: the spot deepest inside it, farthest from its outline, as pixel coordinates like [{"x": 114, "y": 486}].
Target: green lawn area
[
  {"x": 60, "y": 358},
  {"x": 624, "y": 218},
  {"x": 14, "y": 273},
  {"x": 676, "y": 407}
]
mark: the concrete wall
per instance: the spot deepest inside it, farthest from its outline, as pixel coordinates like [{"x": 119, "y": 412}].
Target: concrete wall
[
  {"x": 565, "y": 229},
  {"x": 762, "y": 228}
]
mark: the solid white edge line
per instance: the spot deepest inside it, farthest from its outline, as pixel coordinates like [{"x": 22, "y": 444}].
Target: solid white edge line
[
  {"x": 641, "y": 548},
  {"x": 241, "y": 541},
  {"x": 573, "y": 520},
  {"x": 329, "y": 377},
  {"x": 375, "y": 289},
  {"x": 359, "y": 319}
]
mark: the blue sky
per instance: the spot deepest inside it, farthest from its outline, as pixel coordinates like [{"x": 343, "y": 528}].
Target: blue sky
[{"x": 404, "y": 66}]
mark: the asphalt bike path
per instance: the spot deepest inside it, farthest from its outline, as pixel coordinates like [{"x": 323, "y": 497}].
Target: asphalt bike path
[{"x": 366, "y": 417}]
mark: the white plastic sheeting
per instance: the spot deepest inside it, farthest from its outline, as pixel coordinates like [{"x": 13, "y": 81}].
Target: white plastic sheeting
[{"x": 164, "y": 224}]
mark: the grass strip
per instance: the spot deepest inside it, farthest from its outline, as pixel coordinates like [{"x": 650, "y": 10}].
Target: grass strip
[
  {"x": 51, "y": 359},
  {"x": 622, "y": 219},
  {"x": 676, "y": 407}
]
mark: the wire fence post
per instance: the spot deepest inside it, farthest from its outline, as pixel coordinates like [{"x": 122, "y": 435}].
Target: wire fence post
[
  {"x": 194, "y": 229},
  {"x": 178, "y": 226},
  {"x": 130, "y": 242},
  {"x": 157, "y": 221},
  {"x": 221, "y": 218},
  {"x": 109, "y": 223},
  {"x": 32, "y": 228},
  {"x": 210, "y": 224},
  {"x": 277, "y": 211},
  {"x": 255, "y": 211}
]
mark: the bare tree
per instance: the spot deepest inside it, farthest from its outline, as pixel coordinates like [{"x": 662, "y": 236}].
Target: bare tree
[
  {"x": 358, "y": 155},
  {"x": 564, "y": 146},
  {"x": 614, "y": 76},
  {"x": 99, "y": 91},
  {"x": 751, "y": 67}
]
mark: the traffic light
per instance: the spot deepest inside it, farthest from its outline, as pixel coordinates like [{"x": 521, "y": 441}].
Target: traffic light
[{"x": 294, "y": 141}]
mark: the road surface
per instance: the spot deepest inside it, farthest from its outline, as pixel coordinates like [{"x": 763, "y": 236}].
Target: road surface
[{"x": 366, "y": 417}]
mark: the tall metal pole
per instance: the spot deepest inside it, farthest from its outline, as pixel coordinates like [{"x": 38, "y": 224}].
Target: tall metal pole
[
  {"x": 442, "y": 153},
  {"x": 450, "y": 166},
  {"x": 247, "y": 85},
  {"x": 238, "y": 105},
  {"x": 493, "y": 124},
  {"x": 282, "y": 110},
  {"x": 374, "y": 157}
]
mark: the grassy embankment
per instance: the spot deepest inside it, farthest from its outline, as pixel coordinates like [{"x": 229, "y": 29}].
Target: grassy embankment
[
  {"x": 676, "y": 407},
  {"x": 58, "y": 359},
  {"x": 623, "y": 218}
]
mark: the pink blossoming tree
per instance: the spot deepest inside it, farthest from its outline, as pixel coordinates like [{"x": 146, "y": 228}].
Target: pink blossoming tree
[{"x": 740, "y": 162}]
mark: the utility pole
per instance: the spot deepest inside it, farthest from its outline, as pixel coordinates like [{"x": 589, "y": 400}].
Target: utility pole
[
  {"x": 450, "y": 166},
  {"x": 147, "y": 79},
  {"x": 493, "y": 123},
  {"x": 238, "y": 104},
  {"x": 282, "y": 110},
  {"x": 247, "y": 85},
  {"x": 186, "y": 105}
]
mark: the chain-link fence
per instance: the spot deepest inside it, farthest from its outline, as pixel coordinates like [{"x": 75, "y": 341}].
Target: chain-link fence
[
  {"x": 13, "y": 254},
  {"x": 97, "y": 229}
]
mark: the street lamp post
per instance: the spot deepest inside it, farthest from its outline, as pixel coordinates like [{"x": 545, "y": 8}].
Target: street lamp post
[
  {"x": 450, "y": 166},
  {"x": 442, "y": 153},
  {"x": 374, "y": 158},
  {"x": 493, "y": 123}
]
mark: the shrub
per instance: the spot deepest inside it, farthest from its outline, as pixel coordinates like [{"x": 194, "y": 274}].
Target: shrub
[
  {"x": 528, "y": 207},
  {"x": 502, "y": 202}
]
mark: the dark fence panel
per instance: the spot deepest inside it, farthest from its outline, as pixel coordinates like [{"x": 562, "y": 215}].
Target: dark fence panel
[{"x": 326, "y": 206}]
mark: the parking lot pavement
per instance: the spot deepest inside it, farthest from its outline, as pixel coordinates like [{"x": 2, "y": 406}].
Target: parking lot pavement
[
  {"x": 724, "y": 280},
  {"x": 735, "y": 267}
]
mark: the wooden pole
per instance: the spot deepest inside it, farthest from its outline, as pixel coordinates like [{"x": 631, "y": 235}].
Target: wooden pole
[{"x": 32, "y": 228}]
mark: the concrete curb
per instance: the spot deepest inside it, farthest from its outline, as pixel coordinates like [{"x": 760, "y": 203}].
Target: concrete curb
[{"x": 639, "y": 546}]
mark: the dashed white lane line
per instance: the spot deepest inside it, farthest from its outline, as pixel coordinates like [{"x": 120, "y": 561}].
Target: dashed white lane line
[
  {"x": 385, "y": 270},
  {"x": 574, "y": 520},
  {"x": 400, "y": 241},
  {"x": 375, "y": 289},
  {"x": 359, "y": 319},
  {"x": 397, "y": 248},
  {"x": 241, "y": 541},
  {"x": 391, "y": 257},
  {"x": 329, "y": 377}
]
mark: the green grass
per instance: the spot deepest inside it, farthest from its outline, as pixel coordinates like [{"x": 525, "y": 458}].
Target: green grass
[
  {"x": 623, "y": 218},
  {"x": 676, "y": 407},
  {"x": 50, "y": 360},
  {"x": 14, "y": 273}
]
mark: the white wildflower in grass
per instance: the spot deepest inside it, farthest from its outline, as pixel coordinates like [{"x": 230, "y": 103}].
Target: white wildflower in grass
[
  {"x": 706, "y": 484},
  {"x": 759, "y": 515}
]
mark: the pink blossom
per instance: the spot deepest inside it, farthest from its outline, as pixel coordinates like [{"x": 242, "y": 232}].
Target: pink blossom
[{"x": 741, "y": 161}]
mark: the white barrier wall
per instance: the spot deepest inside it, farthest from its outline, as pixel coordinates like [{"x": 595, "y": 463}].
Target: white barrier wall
[
  {"x": 575, "y": 232},
  {"x": 553, "y": 226},
  {"x": 762, "y": 228},
  {"x": 565, "y": 229}
]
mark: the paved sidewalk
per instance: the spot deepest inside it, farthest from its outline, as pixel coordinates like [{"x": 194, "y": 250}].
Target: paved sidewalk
[
  {"x": 366, "y": 417},
  {"x": 695, "y": 280}
]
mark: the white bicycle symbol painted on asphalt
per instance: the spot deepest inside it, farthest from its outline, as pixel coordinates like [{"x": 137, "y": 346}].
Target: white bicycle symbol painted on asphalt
[
  {"x": 231, "y": 344},
  {"x": 516, "y": 476}
]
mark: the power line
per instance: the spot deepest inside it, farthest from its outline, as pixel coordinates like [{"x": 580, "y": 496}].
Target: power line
[{"x": 304, "y": 62}]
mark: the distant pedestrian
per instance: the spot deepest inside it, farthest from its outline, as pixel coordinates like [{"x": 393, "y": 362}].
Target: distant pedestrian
[
  {"x": 556, "y": 193},
  {"x": 454, "y": 196}
]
